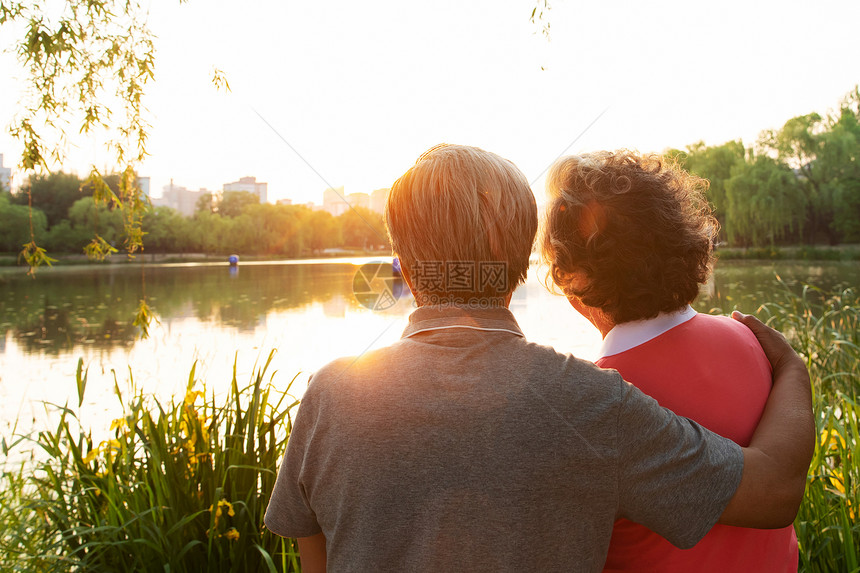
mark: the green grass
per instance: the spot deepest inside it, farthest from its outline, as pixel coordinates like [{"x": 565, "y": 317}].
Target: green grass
[{"x": 183, "y": 486}]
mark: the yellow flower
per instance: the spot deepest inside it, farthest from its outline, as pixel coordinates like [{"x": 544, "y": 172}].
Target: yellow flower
[
  {"x": 192, "y": 395},
  {"x": 228, "y": 505},
  {"x": 218, "y": 511},
  {"x": 232, "y": 534},
  {"x": 832, "y": 439},
  {"x": 91, "y": 455},
  {"x": 118, "y": 423},
  {"x": 838, "y": 482}
]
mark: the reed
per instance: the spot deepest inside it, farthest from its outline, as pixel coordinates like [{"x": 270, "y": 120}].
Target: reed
[
  {"x": 176, "y": 487},
  {"x": 825, "y": 329}
]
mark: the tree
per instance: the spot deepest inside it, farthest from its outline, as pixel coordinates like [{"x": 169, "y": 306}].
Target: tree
[
  {"x": 232, "y": 203},
  {"x": 15, "y": 224},
  {"x": 167, "y": 230},
  {"x": 205, "y": 203},
  {"x": 840, "y": 159},
  {"x": 799, "y": 144},
  {"x": 78, "y": 56},
  {"x": 322, "y": 231},
  {"x": 108, "y": 222},
  {"x": 362, "y": 228},
  {"x": 714, "y": 164},
  {"x": 53, "y": 193},
  {"x": 764, "y": 202}
]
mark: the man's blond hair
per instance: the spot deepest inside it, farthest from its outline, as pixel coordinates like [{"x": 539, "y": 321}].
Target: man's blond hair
[{"x": 462, "y": 205}]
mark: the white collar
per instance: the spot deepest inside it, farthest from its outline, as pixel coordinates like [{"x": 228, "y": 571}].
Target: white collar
[{"x": 629, "y": 335}]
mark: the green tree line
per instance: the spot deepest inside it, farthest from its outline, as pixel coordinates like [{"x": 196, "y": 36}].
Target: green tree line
[
  {"x": 797, "y": 184},
  {"x": 65, "y": 216}
]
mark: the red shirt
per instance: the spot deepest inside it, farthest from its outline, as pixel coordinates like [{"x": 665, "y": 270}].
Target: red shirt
[{"x": 710, "y": 369}]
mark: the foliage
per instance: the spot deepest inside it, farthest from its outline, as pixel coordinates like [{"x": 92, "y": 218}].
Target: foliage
[
  {"x": 363, "y": 228},
  {"x": 180, "y": 486},
  {"x": 87, "y": 64},
  {"x": 801, "y": 183},
  {"x": 98, "y": 249},
  {"x": 53, "y": 194},
  {"x": 35, "y": 256},
  {"x": 15, "y": 224},
  {"x": 825, "y": 329},
  {"x": 715, "y": 164},
  {"x": 232, "y": 203},
  {"x": 144, "y": 318},
  {"x": 763, "y": 202}
]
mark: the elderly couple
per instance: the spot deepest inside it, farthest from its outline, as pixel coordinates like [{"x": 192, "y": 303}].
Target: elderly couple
[{"x": 464, "y": 447}]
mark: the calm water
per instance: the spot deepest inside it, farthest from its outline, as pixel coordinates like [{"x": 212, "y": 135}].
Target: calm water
[{"x": 213, "y": 314}]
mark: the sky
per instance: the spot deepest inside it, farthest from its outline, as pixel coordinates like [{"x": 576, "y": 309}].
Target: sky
[{"x": 344, "y": 93}]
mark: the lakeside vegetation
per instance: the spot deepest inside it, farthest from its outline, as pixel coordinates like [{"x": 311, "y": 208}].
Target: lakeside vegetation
[
  {"x": 185, "y": 484},
  {"x": 799, "y": 184},
  {"x": 791, "y": 253},
  {"x": 65, "y": 216}
]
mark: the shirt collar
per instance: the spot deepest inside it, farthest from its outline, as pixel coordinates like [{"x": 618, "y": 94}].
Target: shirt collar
[
  {"x": 631, "y": 334},
  {"x": 449, "y": 317}
]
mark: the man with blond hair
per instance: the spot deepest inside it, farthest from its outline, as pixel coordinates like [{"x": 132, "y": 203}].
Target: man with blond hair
[{"x": 464, "y": 447}]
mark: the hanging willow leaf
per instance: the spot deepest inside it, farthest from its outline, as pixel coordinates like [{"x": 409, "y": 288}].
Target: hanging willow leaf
[
  {"x": 35, "y": 256},
  {"x": 102, "y": 193},
  {"x": 144, "y": 319},
  {"x": 219, "y": 80},
  {"x": 98, "y": 249}
]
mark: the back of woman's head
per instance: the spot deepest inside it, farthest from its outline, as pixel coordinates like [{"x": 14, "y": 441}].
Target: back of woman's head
[{"x": 631, "y": 235}]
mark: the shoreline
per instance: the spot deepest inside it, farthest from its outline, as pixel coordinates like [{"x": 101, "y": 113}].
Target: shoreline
[
  {"x": 8, "y": 260},
  {"x": 846, "y": 252}
]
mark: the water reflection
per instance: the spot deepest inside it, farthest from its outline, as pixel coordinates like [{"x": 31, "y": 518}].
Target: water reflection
[
  {"x": 69, "y": 308},
  {"x": 66, "y": 309}
]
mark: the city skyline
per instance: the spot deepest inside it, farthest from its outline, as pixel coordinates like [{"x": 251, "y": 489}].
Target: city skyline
[{"x": 335, "y": 201}]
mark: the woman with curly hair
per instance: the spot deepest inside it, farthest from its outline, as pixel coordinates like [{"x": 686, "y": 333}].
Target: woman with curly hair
[{"x": 629, "y": 239}]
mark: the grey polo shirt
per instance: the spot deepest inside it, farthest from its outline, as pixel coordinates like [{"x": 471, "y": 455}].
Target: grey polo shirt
[{"x": 465, "y": 447}]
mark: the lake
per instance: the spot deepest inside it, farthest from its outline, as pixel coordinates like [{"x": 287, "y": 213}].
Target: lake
[{"x": 212, "y": 314}]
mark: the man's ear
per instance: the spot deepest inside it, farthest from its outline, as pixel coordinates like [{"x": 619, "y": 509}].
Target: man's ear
[{"x": 404, "y": 272}]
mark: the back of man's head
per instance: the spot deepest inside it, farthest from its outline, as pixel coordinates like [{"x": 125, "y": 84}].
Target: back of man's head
[{"x": 462, "y": 221}]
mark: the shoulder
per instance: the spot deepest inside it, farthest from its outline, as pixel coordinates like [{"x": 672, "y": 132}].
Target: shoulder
[
  {"x": 722, "y": 324},
  {"x": 727, "y": 333},
  {"x": 564, "y": 368}
]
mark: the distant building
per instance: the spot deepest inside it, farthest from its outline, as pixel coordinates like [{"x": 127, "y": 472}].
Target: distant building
[
  {"x": 143, "y": 183},
  {"x": 285, "y": 201},
  {"x": 334, "y": 201},
  {"x": 378, "y": 199},
  {"x": 179, "y": 198},
  {"x": 358, "y": 200},
  {"x": 5, "y": 176},
  {"x": 250, "y": 185}
]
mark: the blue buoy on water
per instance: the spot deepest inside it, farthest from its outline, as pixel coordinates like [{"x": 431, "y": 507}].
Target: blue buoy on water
[{"x": 233, "y": 260}]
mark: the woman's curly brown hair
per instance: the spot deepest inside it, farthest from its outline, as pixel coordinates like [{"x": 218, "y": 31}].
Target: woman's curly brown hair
[{"x": 631, "y": 235}]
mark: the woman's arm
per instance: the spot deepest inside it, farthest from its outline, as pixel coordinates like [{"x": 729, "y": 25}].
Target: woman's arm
[
  {"x": 312, "y": 553},
  {"x": 777, "y": 460}
]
